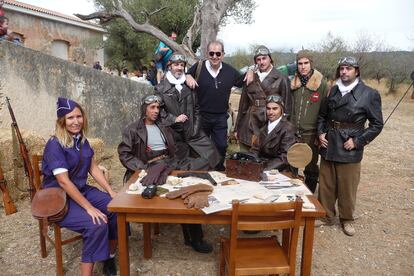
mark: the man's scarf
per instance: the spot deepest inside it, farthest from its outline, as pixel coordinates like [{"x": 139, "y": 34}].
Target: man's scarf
[
  {"x": 346, "y": 89},
  {"x": 304, "y": 79},
  {"x": 177, "y": 82}
]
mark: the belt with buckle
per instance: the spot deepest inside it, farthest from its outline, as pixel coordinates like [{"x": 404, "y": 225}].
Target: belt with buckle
[
  {"x": 336, "y": 125},
  {"x": 259, "y": 103}
]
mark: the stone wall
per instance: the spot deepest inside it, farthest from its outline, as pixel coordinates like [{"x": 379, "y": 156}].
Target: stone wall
[{"x": 33, "y": 81}]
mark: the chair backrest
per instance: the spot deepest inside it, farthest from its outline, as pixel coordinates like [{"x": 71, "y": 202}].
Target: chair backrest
[
  {"x": 269, "y": 216},
  {"x": 36, "y": 163}
]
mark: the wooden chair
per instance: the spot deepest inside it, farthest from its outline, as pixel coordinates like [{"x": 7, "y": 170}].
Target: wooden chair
[
  {"x": 262, "y": 255},
  {"x": 56, "y": 241}
]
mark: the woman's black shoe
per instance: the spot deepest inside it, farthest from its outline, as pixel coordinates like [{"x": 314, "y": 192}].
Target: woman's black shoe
[{"x": 109, "y": 267}]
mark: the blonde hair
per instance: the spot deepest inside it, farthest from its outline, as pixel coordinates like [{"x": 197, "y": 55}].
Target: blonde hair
[{"x": 63, "y": 135}]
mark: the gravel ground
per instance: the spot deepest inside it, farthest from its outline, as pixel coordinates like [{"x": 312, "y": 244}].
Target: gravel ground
[{"x": 383, "y": 244}]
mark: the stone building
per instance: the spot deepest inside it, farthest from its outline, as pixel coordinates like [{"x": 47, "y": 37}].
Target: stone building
[{"x": 56, "y": 34}]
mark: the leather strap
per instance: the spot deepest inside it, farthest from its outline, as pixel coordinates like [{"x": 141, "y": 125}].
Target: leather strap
[
  {"x": 260, "y": 103},
  {"x": 198, "y": 69},
  {"x": 161, "y": 157},
  {"x": 336, "y": 125}
]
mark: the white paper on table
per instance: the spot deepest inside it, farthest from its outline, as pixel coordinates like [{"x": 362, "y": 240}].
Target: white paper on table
[
  {"x": 219, "y": 176},
  {"x": 292, "y": 197},
  {"x": 215, "y": 205}
]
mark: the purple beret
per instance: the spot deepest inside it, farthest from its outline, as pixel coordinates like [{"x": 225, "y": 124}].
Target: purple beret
[{"x": 64, "y": 106}]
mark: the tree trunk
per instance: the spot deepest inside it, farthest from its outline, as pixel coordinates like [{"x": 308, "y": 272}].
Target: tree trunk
[{"x": 212, "y": 11}]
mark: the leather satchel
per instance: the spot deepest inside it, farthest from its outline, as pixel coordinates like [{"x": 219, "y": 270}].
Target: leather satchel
[{"x": 49, "y": 205}]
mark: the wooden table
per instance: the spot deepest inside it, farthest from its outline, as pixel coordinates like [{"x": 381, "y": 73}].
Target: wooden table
[{"x": 134, "y": 208}]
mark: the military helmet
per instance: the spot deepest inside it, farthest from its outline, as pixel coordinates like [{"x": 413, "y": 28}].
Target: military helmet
[
  {"x": 177, "y": 57},
  {"x": 262, "y": 51},
  {"x": 347, "y": 61}
]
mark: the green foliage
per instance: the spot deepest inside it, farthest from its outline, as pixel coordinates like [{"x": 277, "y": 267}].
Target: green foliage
[
  {"x": 240, "y": 11},
  {"x": 327, "y": 54},
  {"x": 126, "y": 48},
  {"x": 240, "y": 59}
]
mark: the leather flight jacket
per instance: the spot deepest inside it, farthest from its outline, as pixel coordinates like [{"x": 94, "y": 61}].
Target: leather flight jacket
[
  {"x": 344, "y": 117},
  {"x": 251, "y": 116}
]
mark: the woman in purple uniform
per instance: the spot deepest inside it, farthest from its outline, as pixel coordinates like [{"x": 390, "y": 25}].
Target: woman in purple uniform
[{"x": 67, "y": 160}]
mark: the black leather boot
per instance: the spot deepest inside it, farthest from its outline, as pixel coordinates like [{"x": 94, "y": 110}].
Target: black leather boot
[
  {"x": 311, "y": 182},
  {"x": 196, "y": 237},
  {"x": 186, "y": 234},
  {"x": 109, "y": 267}
]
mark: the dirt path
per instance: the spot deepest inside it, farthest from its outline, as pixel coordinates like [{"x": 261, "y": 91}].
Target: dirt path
[{"x": 383, "y": 244}]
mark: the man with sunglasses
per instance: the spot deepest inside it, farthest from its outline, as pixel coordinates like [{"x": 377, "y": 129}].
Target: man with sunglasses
[
  {"x": 308, "y": 88},
  {"x": 182, "y": 113},
  {"x": 275, "y": 137},
  {"x": 215, "y": 80},
  {"x": 149, "y": 145},
  {"x": 252, "y": 107},
  {"x": 343, "y": 136}
]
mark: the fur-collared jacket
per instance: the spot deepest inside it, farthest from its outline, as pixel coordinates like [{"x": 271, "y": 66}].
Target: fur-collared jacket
[
  {"x": 252, "y": 107},
  {"x": 133, "y": 150},
  {"x": 307, "y": 102},
  {"x": 344, "y": 117},
  {"x": 274, "y": 146}
]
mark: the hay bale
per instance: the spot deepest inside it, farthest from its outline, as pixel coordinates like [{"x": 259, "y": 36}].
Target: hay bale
[
  {"x": 12, "y": 163},
  {"x": 98, "y": 146}
]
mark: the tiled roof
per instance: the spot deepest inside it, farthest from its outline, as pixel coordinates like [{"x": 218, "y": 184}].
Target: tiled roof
[{"x": 46, "y": 11}]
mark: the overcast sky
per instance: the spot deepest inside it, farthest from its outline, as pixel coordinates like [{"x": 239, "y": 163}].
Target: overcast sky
[{"x": 291, "y": 24}]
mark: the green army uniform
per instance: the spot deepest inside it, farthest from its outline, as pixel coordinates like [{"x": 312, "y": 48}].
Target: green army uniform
[{"x": 306, "y": 104}]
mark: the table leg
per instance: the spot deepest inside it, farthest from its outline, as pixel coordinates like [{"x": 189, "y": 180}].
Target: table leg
[
  {"x": 307, "y": 246},
  {"x": 123, "y": 245},
  {"x": 286, "y": 240},
  {"x": 147, "y": 240}
]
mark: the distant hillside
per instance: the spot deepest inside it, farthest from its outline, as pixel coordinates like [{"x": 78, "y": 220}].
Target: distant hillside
[{"x": 396, "y": 66}]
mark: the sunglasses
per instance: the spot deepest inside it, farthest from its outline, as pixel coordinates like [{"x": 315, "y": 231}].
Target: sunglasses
[
  {"x": 152, "y": 99},
  {"x": 274, "y": 99},
  {"x": 211, "y": 54},
  {"x": 350, "y": 61},
  {"x": 178, "y": 58}
]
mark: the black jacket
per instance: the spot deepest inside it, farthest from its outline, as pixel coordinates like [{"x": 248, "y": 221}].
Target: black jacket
[
  {"x": 175, "y": 104},
  {"x": 354, "y": 109}
]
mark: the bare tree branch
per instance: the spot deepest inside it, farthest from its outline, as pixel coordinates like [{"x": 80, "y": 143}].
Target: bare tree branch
[
  {"x": 148, "y": 15},
  {"x": 194, "y": 29},
  {"x": 103, "y": 16},
  {"x": 146, "y": 27}
]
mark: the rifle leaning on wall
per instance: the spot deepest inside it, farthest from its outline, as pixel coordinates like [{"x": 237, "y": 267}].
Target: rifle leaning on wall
[
  {"x": 28, "y": 169},
  {"x": 7, "y": 201}
]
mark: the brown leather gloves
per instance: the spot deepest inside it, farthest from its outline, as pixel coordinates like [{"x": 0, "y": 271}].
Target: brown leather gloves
[
  {"x": 195, "y": 196},
  {"x": 156, "y": 174},
  {"x": 197, "y": 200},
  {"x": 186, "y": 191}
]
